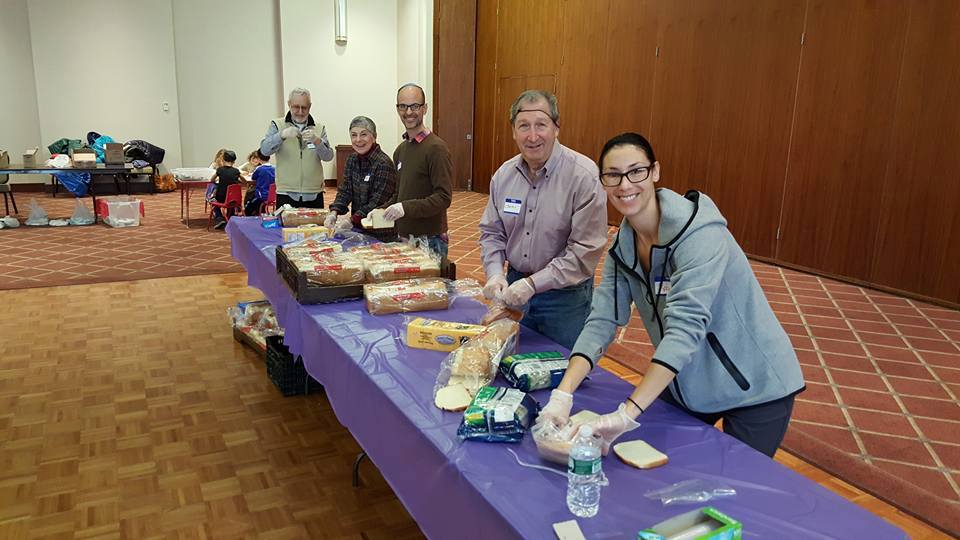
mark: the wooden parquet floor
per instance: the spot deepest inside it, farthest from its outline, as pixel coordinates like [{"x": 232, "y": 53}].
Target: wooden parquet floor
[{"x": 128, "y": 411}]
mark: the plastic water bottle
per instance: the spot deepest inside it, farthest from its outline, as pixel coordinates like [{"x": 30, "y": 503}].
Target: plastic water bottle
[{"x": 584, "y": 475}]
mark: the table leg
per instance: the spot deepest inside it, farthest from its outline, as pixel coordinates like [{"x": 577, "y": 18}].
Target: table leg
[
  {"x": 180, "y": 187},
  {"x": 188, "y": 207},
  {"x": 356, "y": 468}
]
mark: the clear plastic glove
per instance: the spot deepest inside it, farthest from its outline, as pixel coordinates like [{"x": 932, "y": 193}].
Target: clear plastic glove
[
  {"x": 393, "y": 212},
  {"x": 309, "y": 135},
  {"x": 289, "y": 132},
  {"x": 494, "y": 287},
  {"x": 330, "y": 221},
  {"x": 557, "y": 410},
  {"x": 610, "y": 426},
  {"x": 519, "y": 293}
]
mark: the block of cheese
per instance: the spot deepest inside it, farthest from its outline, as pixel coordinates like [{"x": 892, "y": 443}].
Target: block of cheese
[
  {"x": 406, "y": 296},
  {"x": 639, "y": 454},
  {"x": 439, "y": 335},
  {"x": 293, "y": 234}
]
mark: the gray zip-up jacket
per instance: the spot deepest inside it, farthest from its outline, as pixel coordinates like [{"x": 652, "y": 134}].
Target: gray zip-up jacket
[{"x": 702, "y": 306}]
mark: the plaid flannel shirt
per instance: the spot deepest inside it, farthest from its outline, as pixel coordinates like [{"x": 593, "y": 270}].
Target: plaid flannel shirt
[{"x": 368, "y": 182}]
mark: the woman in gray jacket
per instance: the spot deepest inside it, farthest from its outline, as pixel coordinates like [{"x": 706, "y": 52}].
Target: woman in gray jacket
[{"x": 720, "y": 350}]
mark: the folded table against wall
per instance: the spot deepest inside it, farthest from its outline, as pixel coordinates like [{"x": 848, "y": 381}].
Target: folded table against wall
[{"x": 382, "y": 392}]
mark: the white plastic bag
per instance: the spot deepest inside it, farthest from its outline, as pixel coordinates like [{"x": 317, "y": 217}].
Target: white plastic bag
[
  {"x": 10, "y": 222},
  {"x": 38, "y": 216},
  {"x": 81, "y": 214}
]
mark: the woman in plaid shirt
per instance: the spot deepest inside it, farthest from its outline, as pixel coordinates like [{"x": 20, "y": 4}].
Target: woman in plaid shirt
[{"x": 369, "y": 176}]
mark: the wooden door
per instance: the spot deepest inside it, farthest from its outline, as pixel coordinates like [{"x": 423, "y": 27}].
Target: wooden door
[
  {"x": 918, "y": 245},
  {"x": 455, "y": 24},
  {"x": 842, "y": 140}
]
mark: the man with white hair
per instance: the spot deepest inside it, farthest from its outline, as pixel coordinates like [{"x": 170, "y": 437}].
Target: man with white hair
[{"x": 300, "y": 147}]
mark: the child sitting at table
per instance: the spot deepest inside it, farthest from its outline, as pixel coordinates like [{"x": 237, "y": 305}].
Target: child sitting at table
[
  {"x": 226, "y": 176},
  {"x": 254, "y": 160},
  {"x": 263, "y": 177},
  {"x": 217, "y": 163}
]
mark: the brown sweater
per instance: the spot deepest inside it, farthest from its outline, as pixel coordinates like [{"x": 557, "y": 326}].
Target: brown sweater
[{"x": 424, "y": 174}]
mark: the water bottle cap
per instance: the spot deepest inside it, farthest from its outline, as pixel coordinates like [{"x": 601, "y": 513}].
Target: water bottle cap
[{"x": 586, "y": 431}]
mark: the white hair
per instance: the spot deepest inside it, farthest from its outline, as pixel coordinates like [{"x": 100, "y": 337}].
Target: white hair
[{"x": 299, "y": 92}]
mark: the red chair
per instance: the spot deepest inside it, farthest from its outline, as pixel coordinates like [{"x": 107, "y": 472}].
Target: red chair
[
  {"x": 271, "y": 201},
  {"x": 233, "y": 204}
]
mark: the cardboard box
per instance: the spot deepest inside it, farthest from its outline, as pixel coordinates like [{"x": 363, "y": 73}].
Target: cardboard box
[
  {"x": 293, "y": 234},
  {"x": 113, "y": 154},
  {"x": 439, "y": 335},
  {"x": 705, "y": 523},
  {"x": 83, "y": 157},
  {"x": 30, "y": 156}
]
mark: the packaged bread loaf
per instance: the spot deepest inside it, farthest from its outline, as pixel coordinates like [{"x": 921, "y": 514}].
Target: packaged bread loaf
[
  {"x": 335, "y": 271},
  {"x": 408, "y": 268},
  {"x": 319, "y": 247},
  {"x": 474, "y": 364},
  {"x": 406, "y": 296},
  {"x": 295, "y": 217}
]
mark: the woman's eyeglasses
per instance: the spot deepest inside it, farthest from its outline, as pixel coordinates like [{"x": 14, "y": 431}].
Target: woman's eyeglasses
[{"x": 635, "y": 176}]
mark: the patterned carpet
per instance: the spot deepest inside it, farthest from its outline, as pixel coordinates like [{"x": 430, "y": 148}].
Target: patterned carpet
[
  {"x": 881, "y": 408},
  {"x": 161, "y": 246}
]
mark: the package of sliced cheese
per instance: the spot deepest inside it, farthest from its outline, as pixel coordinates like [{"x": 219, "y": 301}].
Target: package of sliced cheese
[
  {"x": 406, "y": 296},
  {"x": 474, "y": 364},
  {"x": 498, "y": 415}
]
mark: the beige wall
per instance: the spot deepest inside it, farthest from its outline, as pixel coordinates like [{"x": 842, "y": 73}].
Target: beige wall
[
  {"x": 222, "y": 82},
  {"x": 344, "y": 80},
  {"x": 415, "y": 50},
  {"x": 19, "y": 122},
  {"x": 106, "y": 66},
  {"x": 230, "y": 92}
]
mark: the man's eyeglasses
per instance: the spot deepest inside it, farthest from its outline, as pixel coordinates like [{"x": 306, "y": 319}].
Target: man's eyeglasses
[
  {"x": 635, "y": 176},
  {"x": 300, "y": 107},
  {"x": 415, "y": 107}
]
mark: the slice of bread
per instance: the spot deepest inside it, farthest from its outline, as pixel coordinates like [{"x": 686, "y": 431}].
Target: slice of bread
[
  {"x": 583, "y": 417},
  {"x": 453, "y": 398},
  {"x": 639, "y": 454}
]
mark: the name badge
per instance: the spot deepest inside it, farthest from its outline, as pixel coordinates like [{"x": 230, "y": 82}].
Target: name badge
[
  {"x": 311, "y": 146},
  {"x": 399, "y": 165},
  {"x": 662, "y": 285},
  {"x": 366, "y": 178},
  {"x": 512, "y": 206}
]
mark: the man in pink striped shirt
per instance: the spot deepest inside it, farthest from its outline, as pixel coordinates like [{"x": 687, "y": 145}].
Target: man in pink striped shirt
[{"x": 546, "y": 219}]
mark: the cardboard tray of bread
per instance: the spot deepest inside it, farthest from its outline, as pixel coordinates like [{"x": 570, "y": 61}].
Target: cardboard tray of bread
[{"x": 338, "y": 278}]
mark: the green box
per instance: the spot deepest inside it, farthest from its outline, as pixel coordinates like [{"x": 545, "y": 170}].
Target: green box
[{"x": 705, "y": 523}]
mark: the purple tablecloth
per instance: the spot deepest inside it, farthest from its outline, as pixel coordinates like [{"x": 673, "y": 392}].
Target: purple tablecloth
[{"x": 382, "y": 392}]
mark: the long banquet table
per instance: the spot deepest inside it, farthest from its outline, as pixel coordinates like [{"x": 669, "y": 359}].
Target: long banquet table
[{"x": 381, "y": 391}]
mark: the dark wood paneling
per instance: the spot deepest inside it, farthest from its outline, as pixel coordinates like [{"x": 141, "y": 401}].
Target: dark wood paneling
[
  {"x": 455, "y": 24},
  {"x": 841, "y": 142},
  {"x": 600, "y": 98},
  {"x": 754, "y": 94},
  {"x": 508, "y": 88},
  {"x": 485, "y": 117},
  {"x": 513, "y": 54},
  {"x": 684, "y": 109},
  {"x": 918, "y": 246}
]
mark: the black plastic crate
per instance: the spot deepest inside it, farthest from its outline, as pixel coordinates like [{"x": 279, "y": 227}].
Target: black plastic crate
[
  {"x": 311, "y": 293},
  {"x": 288, "y": 373}
]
